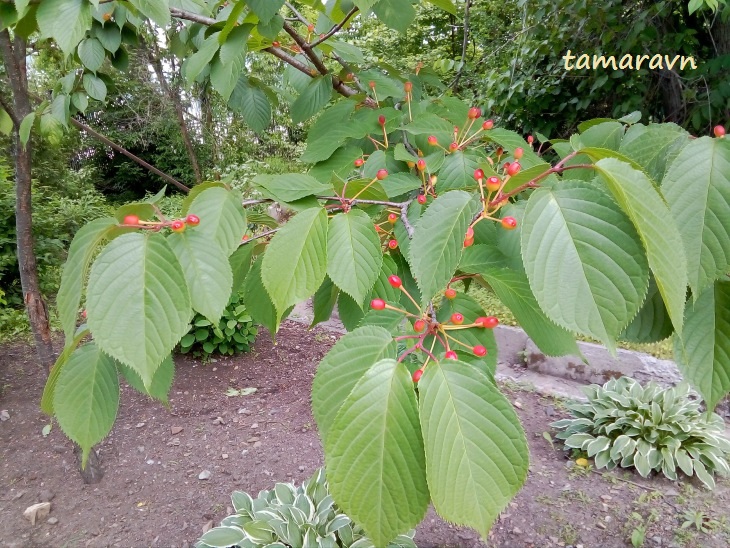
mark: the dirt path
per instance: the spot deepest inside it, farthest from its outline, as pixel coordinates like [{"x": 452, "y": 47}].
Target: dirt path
[{"x": 151, "y": 494}]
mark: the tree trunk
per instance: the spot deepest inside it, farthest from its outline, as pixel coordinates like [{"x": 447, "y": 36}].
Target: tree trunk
[{"x": 14, "y": 61}]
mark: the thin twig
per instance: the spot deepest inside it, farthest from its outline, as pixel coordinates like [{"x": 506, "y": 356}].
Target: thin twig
[
  {"x": 336, "y": 28},
  {"x": 262, "y": 235},
  {"x": 404, "y": 218}
]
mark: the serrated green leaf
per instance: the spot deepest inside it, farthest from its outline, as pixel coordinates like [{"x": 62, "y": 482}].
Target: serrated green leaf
[
  {"x": 91, "y": 53},
  {"x": 654, "y": 146},
  {"x": 295, "y": 262},
  {"x": 697, "y": 188},
  {"x": 395, "y": 14},
  {"x": 252, "y": 103},
  {"x": 95, "y": 87},
  {"x": 138, "y": 306},
  {"x": 86, "y": 398},
  {"x": 704, "y": 348},
  {"x": 82, "y": 250},
  {"x": 288, "y": 187},
  {"x": 265, "y": 9},
  {"x": 577, "y": 234},
  {"x": 316, "y": 95},
  {"x": 26, "y": 125},
  {"x": 222, "y": 217},
  {"x": 80, "y": 100},
  {"x": 457, "y": 172},
  {"x": 342, "y": 367},
  {"x": 194, "y": 65},
  {"x": 258, "y": 302},
  {"x": 476, "y": 451},
  {"x": 240, "y": 261},
  {"x": 374, "y": 453},
  {"x": 323, "y": 302},
  {"x": 446, "y": 5},
  {"x": 161, "y": 382},
  {"x": 397, "y": 184},
  {"x": 430, "y": 124},
  {"x": 652, "y": 323},
  {"x": 50, "y": 388},
  {"x": 350, "y": 312},
  {"x": 157, "y": 10},
  {"x": 110, "y": 37},
  {"x": 223, "y": 77},
  {"x": 651, "y": 217},
  {"x": 438, "y": 241},
  {"x": 66, "y": 21},
  {"x": 510, "y": 140},
  {"x": 207, "y": 272},
  {"x": 6, "y": 122},
  {"x": 354, "y": 257}
]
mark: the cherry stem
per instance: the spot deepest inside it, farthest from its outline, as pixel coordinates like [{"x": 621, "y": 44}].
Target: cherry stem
[
  {"x": 444, "y": 342},
  {"x": 428, "y": 352},
  {"x": 262, "y": 235},
  {"x": 389, "y": 307},
  {"x": 457, "y": 341},
  {"x": 404, "y": 290}
]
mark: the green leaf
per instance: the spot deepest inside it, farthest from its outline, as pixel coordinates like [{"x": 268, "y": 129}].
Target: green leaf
[
  {"x": 458, "y": 172},
  {"x": 662, "y": 241},
  {"x": 265, "y": 9},
  {"x": 395, "y": 14},
  {"x": 398, "y": 184},
  {"x": 577, "y": 234},
  {"x": 91, "y": 53},
  {"x": 654, "y": 147},
  {"x": 235, "y": 44},
  {"x": 258, "y": 302},
  {"x": 222, "y": 217},
  {"x": 222, "y": 537},
  {"x": 354, "y": 257},
  {"x": 476, "y": 451},
  {"x": 513, "y": 289},
  {"x": 161, "y": 382},
  {"x": 66, "y": 21},
  {"x": 316, "y": 95},
  {"x": 606, "y": 135},
  {"x": 110, "y": 37},
  {"x": 323, "y": 302},
  {"x": 83, "y": 248},
  {"x": 251, "y": 102},
  {"x": 349, "y": 311},
  {"x": 25, "y": 127},
  {"x": 295, "y": 262},
  {"x": 652, "y": 323},
  {"x": 87, "y": 397},
  {"x": 138, "y": 306},
  {"x": 223, "y": 77},
  {"x": 157, "y": 10},
  {"x": 80, "y": 100},
  {"x": 697, "y": 188},
  {"x": 510, "y": 140},
  {"x": 428, "y": 123},
  {"x": 446, "y": 5},
  {"x": 703, "y": 350},
  {"x": 194, "y": 65},
  {"x": 240, "y": 261},
  {"x": 6, "y": 122},
  {"x": 95, "y": 87},
  {"x": 207, "y": 272},
  {"x": 289, "y": 187},
  {"x": 342, "y": 367},
  {"x": 374, "y": 454},
  {"x": 50, "y": 388},
  {"x": 438, "y": 241}
]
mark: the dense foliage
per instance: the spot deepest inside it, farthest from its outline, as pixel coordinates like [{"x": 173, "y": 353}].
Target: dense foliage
[{"x": 647, "y": 428}]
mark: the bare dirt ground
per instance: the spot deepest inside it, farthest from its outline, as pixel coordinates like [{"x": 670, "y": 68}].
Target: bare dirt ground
[{"x": 151, "y": 494}]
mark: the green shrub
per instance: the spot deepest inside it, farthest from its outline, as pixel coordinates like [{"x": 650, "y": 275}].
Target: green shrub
[
  {"x": 234, "y": 333},
  {"x": 287, "y": 515},
  {"x": 649, "y": 428}
]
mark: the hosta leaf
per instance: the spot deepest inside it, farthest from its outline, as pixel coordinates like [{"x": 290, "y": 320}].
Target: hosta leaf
[
  {"x": 438, "y": 241},
  {"x": 661, "y": 238},
  {"x": 577, "y": 234},
  {"x": 222, "y": 217},
  {"x": 66, "y": 21},
  {"x": 161, "y": 382},
  {"x": 697, "y": 188},
  {"x": 222, "y": 537},
  {"x": 354, "y": 257},
  {"x": 138, "y": 302},
  {"x": 295, "y": 262},
  {"x": 513, "y": 289},
  {"x": 87, "y": 397},
  {"x": 207, "y": 272},
  {"x": 374, "y": 453},
  {"x": 476, "y": 451},
  {"x": 703, "y": 352},
  {"x": 82, "y": 250},
  {"x": 342, "y": 367}
]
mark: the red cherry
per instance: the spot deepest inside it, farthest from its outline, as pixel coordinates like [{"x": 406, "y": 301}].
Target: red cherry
[
  {"x": 408, "y": 86},
  {"x": 421, "y": 199},
  {"x": 474, "y": 113},
  {"x": 478, "y": 174},
  {"x": 192, "y": 220},
  {"x": 489, "y": 124},
  {"x": 490, "y": 322},
  {"x": 450, "y": 293},
  {"x": 479, "y": 350},
  {"x": 131, "y": 220},
  {"x": 377, "y": 304},
  {"x": 419, "y": 326},
  {"x": 382, "y": 174},
  {"x": 468, "y": 242},
  {"x": 530, "y": 139},
  {"x": 395, "y": 281},
  {"x": 310, "y": 27},
  {"x": 83, "y": 314},
  {"x": 371, "y": 83},
  {"x": 719, "y": 131},
  {"x": 392, "y": 218},
  {"x": 392, "y": 244},
  {"x": 453, "y": 147},
  {"x": 518, "y": 153},
  {"x": 178, "y": 226},
  {"x": 359, "y": 162},
  {"x": 469, "y": 233},
  {"x": 421, "y": 164},
  {"x": 451, "y": 355},
  {"x": 276, "y": 44},
  {"x": 514, "y": 168},
  {"x": 381, "y": 120},
  {"x": 500, "y": 151},
  {"x": 417, "y": 374},
  {"x": 245, "y": 238},
  {"x": 432, "y": 140},
  {"x": 493, "y": 184},
  {"x": 509, "y": 223},
  {"x": 457, "y": 318}
]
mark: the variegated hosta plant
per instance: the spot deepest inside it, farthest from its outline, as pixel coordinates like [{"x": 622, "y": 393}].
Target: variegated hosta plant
[
  {"x": 290, "y": 516},
  {"x": 648, "y": 428}
]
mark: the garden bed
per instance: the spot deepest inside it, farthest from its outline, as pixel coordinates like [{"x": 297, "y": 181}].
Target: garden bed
[{"x": 151, "y": 493}]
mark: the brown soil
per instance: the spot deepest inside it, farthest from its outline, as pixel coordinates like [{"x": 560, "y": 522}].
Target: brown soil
[{"x": 151, "y": 495}]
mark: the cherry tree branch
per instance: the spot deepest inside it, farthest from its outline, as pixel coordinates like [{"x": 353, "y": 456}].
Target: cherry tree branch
[{"x": 335, "y": 29}]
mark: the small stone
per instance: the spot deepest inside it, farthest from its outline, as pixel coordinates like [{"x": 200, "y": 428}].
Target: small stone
[
  {"x": 257, "y": 444},
  {"x": 219, "y": 420},
  {"x": 4, "y": 415},
  {"x": 554, "y": 540},
  {"x": 516, "y": 531},
  {"x": 52, "y": 521},
  {"x": 253, "y": 439},
  {"x": 301, "y": 468},
  {"x": 224, "y": 456},
  {"x": 550, "y": 411},
  {"x": 607, "y": 519},
  {"x": 140, "y": 424},
  {"x": 37, "y": 511},
  {"x": 140, "y": 448},
  {"x": 46, "y": 496},
  {"x": 204, "y": 475},
  {"x": 606, "y": 498},
  {"x": 671, "y": 492},
  {"x": 255, "y": 425},
  {"x": 151, "y": 461},
  {"x": 175, "y": 430},
  {"x": 601, "y": 525},
  {"x": 518, "y": 405},
  {"x": 244, "y": 411},
  {"x": 657, "y": 540},
  {"x": 578, "y": 546}
]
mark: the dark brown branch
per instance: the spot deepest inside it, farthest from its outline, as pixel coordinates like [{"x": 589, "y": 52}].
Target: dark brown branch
[{"x": 464, "y": 44}]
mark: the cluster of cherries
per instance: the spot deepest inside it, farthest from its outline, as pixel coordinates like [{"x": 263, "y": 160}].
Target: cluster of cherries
[
  {"x": 177, "y": 225},
  {"x": 425, "y": 325}
]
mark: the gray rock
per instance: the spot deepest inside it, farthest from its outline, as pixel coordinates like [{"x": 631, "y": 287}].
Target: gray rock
[
  {"x": 46, "y": 496},
  {"x": 52, "y": 521},
  {"x": 37, "y": 511},
  {"x": 204, "y": 475}
]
